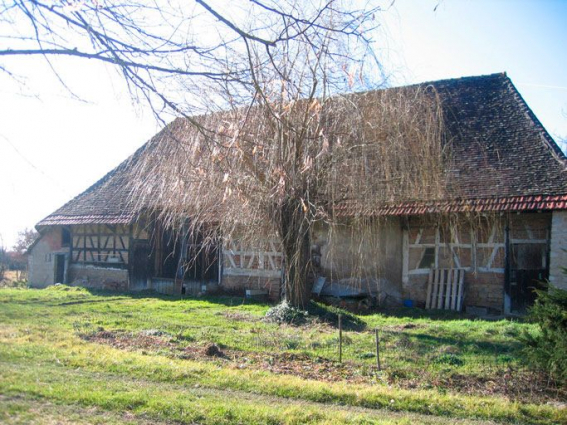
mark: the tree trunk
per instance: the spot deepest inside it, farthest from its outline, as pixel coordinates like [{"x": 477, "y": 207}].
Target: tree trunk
[{"x": 295, "y": 228}]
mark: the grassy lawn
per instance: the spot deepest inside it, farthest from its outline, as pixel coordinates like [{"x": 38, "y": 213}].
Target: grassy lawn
[{"x": 71, "y": 356}]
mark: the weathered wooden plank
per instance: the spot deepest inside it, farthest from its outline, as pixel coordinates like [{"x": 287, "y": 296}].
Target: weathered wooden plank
[
  {"x": 448, "y": 287},
  {"x": 121, "y": 239},
  {"x": 435, "y": 288},
  {"x": 251, "y": 262},
  {"x": 272, "y": 263},
  {"x": 418, "y": 237},
  {"x": 261, "y": 257},
  {"x": 454, "y": 288},
  {"x": 441, "y": 288},
  {"x": 429, "y": 288},
  {"x": 460, "y": 291},
  {"x": 405, "y": 256}
]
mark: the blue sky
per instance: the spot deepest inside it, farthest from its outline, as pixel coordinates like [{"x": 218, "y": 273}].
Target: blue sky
[{"x": 52, "y": 147}]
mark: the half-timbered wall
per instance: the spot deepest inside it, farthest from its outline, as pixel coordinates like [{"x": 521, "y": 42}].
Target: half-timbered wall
[
  {"x": 480, "y": 248},
  {"x": 100, "y": 244},
  {"x": 247, "y": 267},
  {"x": 476, "y": 246}
]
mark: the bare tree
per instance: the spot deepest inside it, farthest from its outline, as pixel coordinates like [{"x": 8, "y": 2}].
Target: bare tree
[
  {"x": 3, "y": 259},
  {"x": 290, "y": 149},
  {"x": 168, "y": 53},
  {"x": 269, "y": 144},
  {"x": 25, "y": 239},
  {"x": 277, "y": 172}
]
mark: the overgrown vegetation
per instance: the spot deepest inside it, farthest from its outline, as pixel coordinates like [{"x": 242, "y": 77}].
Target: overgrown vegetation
[
  {"x": 142, "y": 358},
  {"x": 286, "y": 313},
  {"x": 13, "y": 279},
  {"x": 547, "y": 349}
]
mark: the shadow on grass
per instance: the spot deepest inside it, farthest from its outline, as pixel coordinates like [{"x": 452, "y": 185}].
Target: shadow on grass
[
  {"x": 106, "y": 296},
  {"x": 330, "y": 315},
  {"x": 480, "y": 346},
  {"x": 224, "y": 300},
  {"x": 318, "y": 311},
  {"x": 438, "y": 315}
]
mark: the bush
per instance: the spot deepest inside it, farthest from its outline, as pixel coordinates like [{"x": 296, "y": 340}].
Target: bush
[
  {"x": 286, "y": 313},
  {"x": 546, "y": 349}
]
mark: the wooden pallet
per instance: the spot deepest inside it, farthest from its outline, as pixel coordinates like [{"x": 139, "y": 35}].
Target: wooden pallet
[{"x": 445, "y": 289}]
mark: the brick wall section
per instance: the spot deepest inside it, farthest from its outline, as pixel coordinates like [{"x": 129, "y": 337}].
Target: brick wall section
[
  {"x": 484, "y": 290},
  {"x": 98, "y": 277},
  {"x": 481, "y": 290},
  {"x": 557, "y": 256},
  {"x": 239, "y": 284}
]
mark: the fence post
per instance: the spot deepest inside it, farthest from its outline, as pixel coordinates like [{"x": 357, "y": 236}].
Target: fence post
[
  {"x": 340, "y": 338},
  {"x": 377, "y": 350}
]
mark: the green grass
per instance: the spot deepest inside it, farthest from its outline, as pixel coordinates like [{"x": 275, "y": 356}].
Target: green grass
[{"x": 46, "y": 359}]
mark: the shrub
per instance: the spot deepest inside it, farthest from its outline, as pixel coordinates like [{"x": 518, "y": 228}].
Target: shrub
[
  {"x": 286, "y": 313},
  {"x": 449, "y": 359},
  {"x": 546, "y": 349}
]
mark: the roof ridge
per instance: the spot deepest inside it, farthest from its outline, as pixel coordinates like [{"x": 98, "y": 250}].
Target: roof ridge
[{"x": 463, "y": 79}]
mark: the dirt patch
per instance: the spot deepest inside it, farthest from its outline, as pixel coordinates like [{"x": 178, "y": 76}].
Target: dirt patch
[
  {"x": 300, "y": 365},
  {"x": 517, "y": 385},
  {"x": 404, "y": 327},
  {"x": 239, "y": 316},
  {"x": 213, "y": 350},
  {"x": 130, "y": 341}
]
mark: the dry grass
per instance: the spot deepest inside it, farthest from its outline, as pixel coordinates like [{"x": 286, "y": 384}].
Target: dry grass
[{"x": 13, "y": 279}]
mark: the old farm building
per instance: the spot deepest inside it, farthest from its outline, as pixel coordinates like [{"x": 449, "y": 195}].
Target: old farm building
[{"x": 506, "y": 164}]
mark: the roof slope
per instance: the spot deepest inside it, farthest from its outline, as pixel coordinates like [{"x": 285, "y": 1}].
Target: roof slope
[{"x": 502, "y": 160}]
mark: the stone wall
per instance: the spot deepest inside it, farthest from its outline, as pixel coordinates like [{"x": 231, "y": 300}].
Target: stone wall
[
  {"x": 558, "y": 257},
  {"x": 239, "y": 284},
  {"x": 97, "y": 277},
  {"x": 364, "y": 257},
  {"x": 41, "y": 261}
]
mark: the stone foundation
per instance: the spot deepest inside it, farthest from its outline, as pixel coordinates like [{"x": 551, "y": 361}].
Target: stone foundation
[
  {"x": 239, "y": 284},
  {"x": 98, "y": 277}
]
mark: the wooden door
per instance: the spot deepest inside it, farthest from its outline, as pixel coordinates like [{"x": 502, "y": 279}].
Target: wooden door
[
  {"x": 141, "y": 265},
  {"x": 59, "y": 267}
]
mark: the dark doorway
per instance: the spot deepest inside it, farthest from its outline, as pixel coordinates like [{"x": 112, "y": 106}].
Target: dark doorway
[
  {"x": 523, "y": 284},
  {"x": 201, "y": 259},
  {"x": 170, "y": 254},
  {"x": 141, "y": 265},
  {"x": 59, "y": 268},
  {"x": 202, "y": 263},
  {"x": 528, "y": 269}
]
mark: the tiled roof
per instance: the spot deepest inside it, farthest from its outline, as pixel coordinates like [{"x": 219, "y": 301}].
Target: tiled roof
[
  {"x": 509, "y": 204},
  {"x": 502, "y": 160}
]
